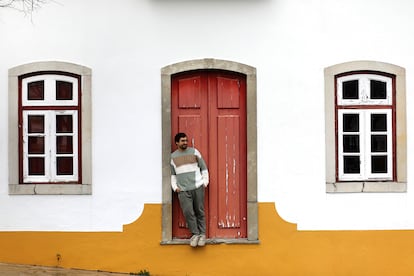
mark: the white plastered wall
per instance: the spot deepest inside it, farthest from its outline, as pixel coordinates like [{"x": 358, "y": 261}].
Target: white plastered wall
[{"x": 126, "y": 44}]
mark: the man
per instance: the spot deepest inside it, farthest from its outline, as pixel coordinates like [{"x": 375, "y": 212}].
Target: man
[{"x": 189, "y": 177}]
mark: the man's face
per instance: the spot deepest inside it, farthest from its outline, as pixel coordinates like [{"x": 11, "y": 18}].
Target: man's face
[{"x": 182, "y": 143}]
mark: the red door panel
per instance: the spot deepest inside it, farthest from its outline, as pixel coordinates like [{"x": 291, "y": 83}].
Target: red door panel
[
  {"x": 210, "y": 106},
  {"x": 228, "y": 203},
  {"x": 228, "y": 93},
  {"x": 189, "y": 92},
  {"x": 227, "y": 118}
]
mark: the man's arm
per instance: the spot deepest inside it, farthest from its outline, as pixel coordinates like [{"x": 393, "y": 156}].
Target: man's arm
[
  {"x": 206, "y": 178},
  {"x": 174, "y": 185},
  {"x": 203, "y": 168}
]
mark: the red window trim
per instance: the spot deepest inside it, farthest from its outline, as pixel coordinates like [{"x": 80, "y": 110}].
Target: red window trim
[
  {"x": 392, "y": 107},
  {"x": 21, "y": 108}
]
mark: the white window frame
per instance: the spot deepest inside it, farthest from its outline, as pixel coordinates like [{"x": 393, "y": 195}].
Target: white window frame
[
  {"x": 62, "y": 70},
  {"x": 365, "y": 153},
  {"x": 50, "y": 88},
  {"x": 399, "y": 181},
  {"x": 50, "y": 153},
  {"x": 364, "y": 89}
]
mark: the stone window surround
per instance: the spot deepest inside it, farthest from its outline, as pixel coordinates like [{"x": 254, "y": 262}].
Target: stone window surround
[
  {"x": 16, "y": 188},
  {"x": 251, "y": 83},
  {"x": 400, "y": 185}
]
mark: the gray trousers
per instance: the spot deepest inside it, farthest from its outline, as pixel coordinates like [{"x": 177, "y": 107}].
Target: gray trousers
[{"x": 192, "y": 205}]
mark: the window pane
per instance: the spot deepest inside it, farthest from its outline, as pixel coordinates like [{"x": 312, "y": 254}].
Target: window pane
[
  {"x": 64, "y": 144},
  {"x": 378, "y": 89},
  {"x": 36, "y": 124},
  {"x": 36, "y": 166},
  {"x": 64, "y": 90},
  {"x": 350, "y": 90},
  {"x": 350, "y": 122},
  {"x": 36, "y": 145},
  {"x": 351, "y": 164},
  {"x": 351, "y": 143},
  {"x": 64, "y": 123},
  {"x": 378, "y": 122},
  {"x": 36, "y": 90},
  {"x": 64, "y": 166},
  {"x": 379, "y": 143},
  {"x": 379, "y": 164}
]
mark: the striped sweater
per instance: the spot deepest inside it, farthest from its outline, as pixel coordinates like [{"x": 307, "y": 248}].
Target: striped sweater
[{"x": 188, "y": 170}]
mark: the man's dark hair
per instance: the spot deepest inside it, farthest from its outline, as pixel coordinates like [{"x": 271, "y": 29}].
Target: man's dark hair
[{"x": 178, "y": 136}]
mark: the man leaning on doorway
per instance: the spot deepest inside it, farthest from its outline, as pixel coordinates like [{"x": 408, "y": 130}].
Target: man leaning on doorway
[{"x": 189, "y": 177}]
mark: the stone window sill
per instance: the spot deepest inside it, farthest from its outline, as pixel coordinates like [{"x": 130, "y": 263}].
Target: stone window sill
[
  {"x": 50, "y": 189},
  {"x": 366, "y": 187}
]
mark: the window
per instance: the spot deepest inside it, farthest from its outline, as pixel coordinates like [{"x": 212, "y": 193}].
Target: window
[
  {"x": 365, "y": 128},
  {"x": 49, "y": 129},
  {"x": 50, "y": 132}
]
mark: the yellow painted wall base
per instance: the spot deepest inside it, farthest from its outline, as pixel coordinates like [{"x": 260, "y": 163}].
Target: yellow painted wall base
[{"x": 282, "y": 250}]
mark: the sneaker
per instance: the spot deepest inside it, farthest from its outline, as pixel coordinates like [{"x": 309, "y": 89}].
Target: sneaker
[
  {"x": 202, "y": 240},
  {"x": 194, "y": 240}
]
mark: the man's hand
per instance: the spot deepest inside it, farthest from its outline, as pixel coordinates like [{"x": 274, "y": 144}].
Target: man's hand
[{"x": 177, "y": 190}]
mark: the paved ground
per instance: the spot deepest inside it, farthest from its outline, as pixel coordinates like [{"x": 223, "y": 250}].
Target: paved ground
[{"x": 27, "y": 270}]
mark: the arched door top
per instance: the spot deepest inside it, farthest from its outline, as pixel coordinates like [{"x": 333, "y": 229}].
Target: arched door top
[{"x": 208, "y": 63}]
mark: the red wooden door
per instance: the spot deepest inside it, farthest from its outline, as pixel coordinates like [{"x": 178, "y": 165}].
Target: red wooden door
[{"x": 210, "y": 106}]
